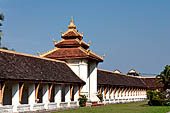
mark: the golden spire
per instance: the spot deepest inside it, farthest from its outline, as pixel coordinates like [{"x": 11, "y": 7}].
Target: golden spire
[{"x": 72, "y": 26}]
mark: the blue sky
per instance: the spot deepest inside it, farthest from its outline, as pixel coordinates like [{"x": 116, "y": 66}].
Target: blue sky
[{"x": 132, "y": 33}]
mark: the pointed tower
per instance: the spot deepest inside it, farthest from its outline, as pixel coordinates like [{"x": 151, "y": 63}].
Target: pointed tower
[{"x": 73, "y": 50}]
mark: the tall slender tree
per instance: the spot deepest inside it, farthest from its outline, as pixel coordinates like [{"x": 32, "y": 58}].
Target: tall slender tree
[
  {"x": 1, "y": 19},
  {"x": 164, "y": 77}
]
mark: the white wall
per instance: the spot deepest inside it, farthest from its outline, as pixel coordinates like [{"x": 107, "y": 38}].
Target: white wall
[
  {"x": 87, "y": 71},
  {"x": 93, "y": 81},
  {"x": 80, "y": 68}
]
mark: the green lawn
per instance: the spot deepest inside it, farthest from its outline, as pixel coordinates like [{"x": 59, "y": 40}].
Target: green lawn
[{"x": 140, "y": 107}]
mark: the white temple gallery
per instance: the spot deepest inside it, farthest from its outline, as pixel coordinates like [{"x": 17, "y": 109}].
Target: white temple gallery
[{"x": 57, "y": 78}]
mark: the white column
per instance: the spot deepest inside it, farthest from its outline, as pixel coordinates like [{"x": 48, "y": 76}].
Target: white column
[
  {"x": 116, "y": 93},
  {"x": 111, "y": 95},
  {"x": 31, "y": 95},
  {"x": 126, "y": 93},
  {"x": 57, "y": 97},
  {"x": 137, "y": 93},
  {"x": 93, "y": 81},
  {"x": 120, "y": 93},
  {"x": 67, "y": 94},
  {"x": 76, "y": 94},
  {"x": 123, "y": 93},
  {"x": 107, "y": 93},
  {"x": 83, "y": 70},
  {"x": 102, "y": 92},
  {"x": 45, "y": 95},
  {"x": 132, "y": 97},
  {"x": 15, "y": 96},
  {"x": 145, "y": 93}
]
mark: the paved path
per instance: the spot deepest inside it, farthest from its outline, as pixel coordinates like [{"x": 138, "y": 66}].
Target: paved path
[{"x": 49, "y": 111}]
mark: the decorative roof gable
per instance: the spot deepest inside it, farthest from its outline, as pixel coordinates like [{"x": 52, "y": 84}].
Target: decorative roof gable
[{"x": 72, "y": 47}]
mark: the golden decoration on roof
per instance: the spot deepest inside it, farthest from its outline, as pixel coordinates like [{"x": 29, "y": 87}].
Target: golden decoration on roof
[
  {"x": 89, "y": 42},
  {"x": 38, "y": 53},
  {"x": 54, "y": 42},
  {"x": 72, "y": 26},
  {"x": 103, "y": 56}
]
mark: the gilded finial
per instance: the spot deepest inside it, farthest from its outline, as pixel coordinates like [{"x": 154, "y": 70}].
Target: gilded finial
[
  {"x": 82, "y": 33},
  {"x": 38, "y": 53},
  {"x": 54, "y": 41},
  {"x": 103, "y": 56},
  {"x": 71, "y": 19},
  {"x": 88, "y": 51},
  {"x": 72, "y": 26},
  {"x": 89, "y": 42}
]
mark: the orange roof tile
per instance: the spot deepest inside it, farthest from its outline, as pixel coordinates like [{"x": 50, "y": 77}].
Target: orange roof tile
[{"x": 72, "y": 53}]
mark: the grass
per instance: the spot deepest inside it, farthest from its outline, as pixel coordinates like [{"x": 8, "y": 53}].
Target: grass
[{"x": 139, "y": 107}]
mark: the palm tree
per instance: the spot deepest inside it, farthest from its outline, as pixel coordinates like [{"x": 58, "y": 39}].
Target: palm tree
[{"x": 164, "y": 77}]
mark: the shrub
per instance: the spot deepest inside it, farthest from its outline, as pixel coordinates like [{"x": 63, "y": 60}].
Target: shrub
[
  {"x": 152, "y": 95},
  {"x": 157, "y": 98},
  {"x": 82, "y": 100}
]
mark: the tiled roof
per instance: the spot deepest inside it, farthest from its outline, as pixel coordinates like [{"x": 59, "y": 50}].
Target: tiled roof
[
  {"x": 72, "y": 53},
  {"x": 152, "y": 82},
  {"x": 71, "y": 43},
  {"x": 18, "y": 66},
  {"x": 118, "y": 80},
  {"x": 72, "y": 33}
]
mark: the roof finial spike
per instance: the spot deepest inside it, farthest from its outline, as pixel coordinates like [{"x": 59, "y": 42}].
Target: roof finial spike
[
  {"x": 54, "y": 42},
  {"x": 89, "y": 42},
  {"x": 38, "y": 53},
  {"x": 72, "y": 26},
  {"x": 72, "y": 19},
  {"x": 103, "y": 56}
]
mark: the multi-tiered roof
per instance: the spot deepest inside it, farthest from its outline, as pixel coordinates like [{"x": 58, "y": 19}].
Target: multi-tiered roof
[{"x": 72, "y": 46}]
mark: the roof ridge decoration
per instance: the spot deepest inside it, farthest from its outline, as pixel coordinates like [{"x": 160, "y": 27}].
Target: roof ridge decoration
[
  {"x": 117, "y": 71},
  {"x": 71, "y": 26},
  {"x": 88, "y": 52},
  {"x": 102, "y": 57}
]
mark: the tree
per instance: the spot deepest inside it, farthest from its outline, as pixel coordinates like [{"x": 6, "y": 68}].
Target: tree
[
  {"x": 1, "y": 19},
  {"x": 164, "y": 78}
]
